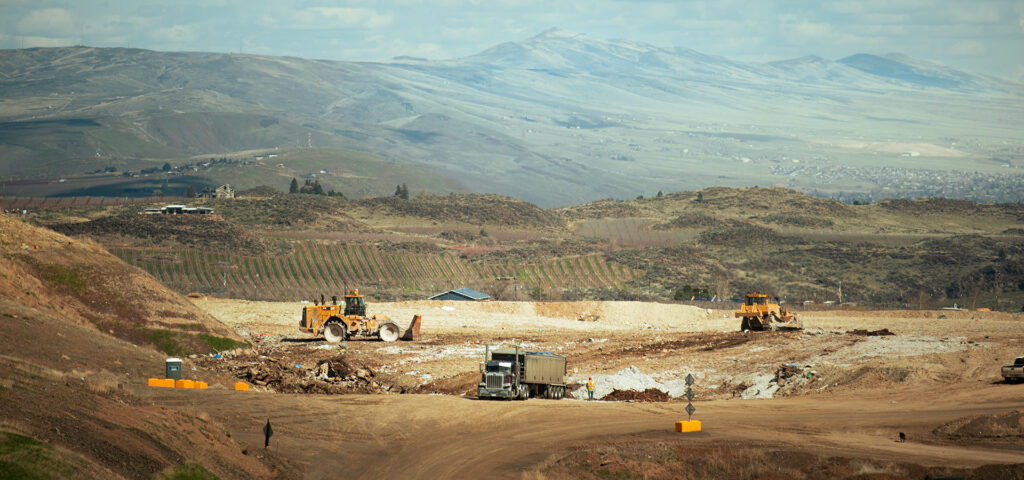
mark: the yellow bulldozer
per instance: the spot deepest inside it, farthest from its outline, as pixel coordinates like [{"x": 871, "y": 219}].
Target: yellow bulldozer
[
  {"x": 337, "y": 324},
  {"x": 759, "y": 315}
]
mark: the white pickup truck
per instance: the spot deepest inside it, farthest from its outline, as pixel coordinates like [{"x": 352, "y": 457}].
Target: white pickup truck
[{"x": 1015, "y": 372}]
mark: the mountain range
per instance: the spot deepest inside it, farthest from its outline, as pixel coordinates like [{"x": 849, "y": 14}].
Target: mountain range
[{"x": 559, "y": 118}]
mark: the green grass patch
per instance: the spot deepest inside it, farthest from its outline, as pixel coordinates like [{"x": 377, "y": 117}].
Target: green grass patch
[
  {"x": 186, "y": 471},
  {"x": 219, "y": 344},
  {"x": 61, "y": 275},
  {"x": 26, "y": 458},
  {"x": 168, "y": 342}
]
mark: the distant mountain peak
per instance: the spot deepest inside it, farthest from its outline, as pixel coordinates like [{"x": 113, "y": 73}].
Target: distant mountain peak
[{"x": 555, "y": 32}]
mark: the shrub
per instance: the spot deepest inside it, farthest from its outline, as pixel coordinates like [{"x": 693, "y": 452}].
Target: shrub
[{"x": 219, "y": 344}]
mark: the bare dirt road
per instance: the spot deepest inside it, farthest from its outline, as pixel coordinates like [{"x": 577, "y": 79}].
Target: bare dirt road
[{"x": 928, "y": 380}]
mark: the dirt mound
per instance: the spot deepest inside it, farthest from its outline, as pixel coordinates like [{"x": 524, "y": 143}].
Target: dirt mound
[
  {"x": 1006, "y": 425},
  {"x": 191, "y": 231},
  {"x": 649, "y": 395},
  {"x": 601, "y": 209},
  {"x": 703, "y": 342},
  {"x": 698, "y": 220},
  {"x": 91, "y": 387},
  {"x": 872, "y": 333},
  {"x": 81, "y": 282},
  {"x": 475, "y": 209},
  {"x": 333, "y": 375},
  {"x": 712, "y": 460}
]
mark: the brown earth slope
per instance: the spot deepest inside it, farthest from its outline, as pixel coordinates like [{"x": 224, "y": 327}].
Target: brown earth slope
[
  {"x": 79, "y": 281},
  {"x": 77, "y": 335}
]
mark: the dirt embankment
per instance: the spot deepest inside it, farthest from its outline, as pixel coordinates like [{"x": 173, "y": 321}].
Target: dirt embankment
[{"x": 80, "y": 281}]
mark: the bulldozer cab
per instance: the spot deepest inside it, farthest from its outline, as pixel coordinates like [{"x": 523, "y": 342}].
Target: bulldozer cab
[{"x": 355, "y": 304}]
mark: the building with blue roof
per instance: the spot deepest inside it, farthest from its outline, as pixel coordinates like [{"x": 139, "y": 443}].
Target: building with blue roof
[{"x": 463, "y": 294}]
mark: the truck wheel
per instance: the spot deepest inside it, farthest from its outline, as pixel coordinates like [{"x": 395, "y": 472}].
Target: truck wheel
[
  {"x": 745, "y": 324},
  {"x": 524, "y": 393},
  {"x": 389, "y": 332},
  {"x": 334, "y": 333}
]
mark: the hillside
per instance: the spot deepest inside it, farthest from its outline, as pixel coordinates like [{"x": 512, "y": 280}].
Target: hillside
[
  {"x": 80, "y": 282},
  {"x": 559, "y": 118},
  {"x": 713, "y": 242},
  {"x": 81, "y": 333}
]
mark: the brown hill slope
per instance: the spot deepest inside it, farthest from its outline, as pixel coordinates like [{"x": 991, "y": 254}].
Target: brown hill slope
[
  {"x": 76, "y": 330},
  {"x": 80, "y": 282}
]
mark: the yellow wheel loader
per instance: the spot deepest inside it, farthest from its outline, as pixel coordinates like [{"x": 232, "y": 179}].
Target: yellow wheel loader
[
  {"x": 758, "y": 315},
  {"x": 337, "y": 324}
]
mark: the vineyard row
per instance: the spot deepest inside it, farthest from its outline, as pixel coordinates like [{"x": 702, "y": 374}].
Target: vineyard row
[{"x": 314, "y": 268}]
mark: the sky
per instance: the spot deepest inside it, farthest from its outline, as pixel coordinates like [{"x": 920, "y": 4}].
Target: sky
[{"x": 982, "y": 36}]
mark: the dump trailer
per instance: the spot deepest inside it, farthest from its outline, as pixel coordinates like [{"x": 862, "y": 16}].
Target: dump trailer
[
  {"x": 759, "y": 314},
  {"x": 514, "y": 373},
  {"x": 336, "y": 324}
]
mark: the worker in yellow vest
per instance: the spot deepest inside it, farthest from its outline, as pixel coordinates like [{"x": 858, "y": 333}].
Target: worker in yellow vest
[{"x": 590, "y": 387}]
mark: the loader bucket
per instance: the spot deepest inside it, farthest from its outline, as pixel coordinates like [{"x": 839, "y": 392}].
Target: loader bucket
[{"x": 413, "y": 332}]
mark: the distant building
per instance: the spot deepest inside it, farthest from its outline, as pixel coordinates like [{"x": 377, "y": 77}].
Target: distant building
[
  {"x": 179, "y": 210},
  {"x": 464, "y": 294},
  {"x": 224, "y": 191}
]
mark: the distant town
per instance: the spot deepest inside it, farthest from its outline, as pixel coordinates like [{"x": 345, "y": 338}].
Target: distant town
[{"x": 893, "y": 182}]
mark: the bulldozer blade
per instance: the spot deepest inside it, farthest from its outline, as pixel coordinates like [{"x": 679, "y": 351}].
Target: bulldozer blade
[{"x": 413, "y": 332}]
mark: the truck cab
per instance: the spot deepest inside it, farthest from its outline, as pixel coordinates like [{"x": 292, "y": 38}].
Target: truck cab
[
  {"x": 498, "y": 380},
  {"x": 1014, "y": 373}
]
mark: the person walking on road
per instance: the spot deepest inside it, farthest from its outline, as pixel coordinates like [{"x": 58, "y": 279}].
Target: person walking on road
[{"x": 590, "y": 387}]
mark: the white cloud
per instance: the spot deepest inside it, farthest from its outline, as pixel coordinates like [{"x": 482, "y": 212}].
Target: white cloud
[
  {"x": 812, "y": 30},
  {"x": 177, "y": 34},
  {"x": 967, "y": 48},
  {"x": 318, "y": 18},
  {"x": 463, "y": 33},
  {"x": 427, "y": 50},
  {"x": 1018, "y": 74},
  {"x": 876, "y": 6},
  {"x": 30, "y": 41},
  {"x": 48, "y": 21},
  {"x": 977, "y": 13}
]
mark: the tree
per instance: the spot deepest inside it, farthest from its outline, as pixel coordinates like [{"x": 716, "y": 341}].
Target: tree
[
  {"x": 167, "y": 167},
  {"x": 700, "y": 197},
  {"x": 402, "y": 191},
  {"x": 317, "y": 189},
  {"x": 660, "y": 194},
  {"x": 295, "y": 186},
  {"x": 190, "y": 192}
]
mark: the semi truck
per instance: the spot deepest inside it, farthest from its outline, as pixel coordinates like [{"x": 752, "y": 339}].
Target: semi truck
[
  {"x": 1015, "y": 372},
  {"x": 514, "y": 373}
]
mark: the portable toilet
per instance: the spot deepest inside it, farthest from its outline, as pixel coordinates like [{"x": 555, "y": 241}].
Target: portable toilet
[{"x": 174, "y": 368}]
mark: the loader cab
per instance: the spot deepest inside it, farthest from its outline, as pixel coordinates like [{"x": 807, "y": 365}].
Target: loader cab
[
  {"x": 355, "y": 304},
  {"x": 757, "y": 299}
]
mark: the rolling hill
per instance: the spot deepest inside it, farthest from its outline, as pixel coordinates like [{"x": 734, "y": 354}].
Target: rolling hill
[
  {"x": 81, "y": 331},
  {"x": 559, "y": 118},
  {"x": 713, "y": 242}
]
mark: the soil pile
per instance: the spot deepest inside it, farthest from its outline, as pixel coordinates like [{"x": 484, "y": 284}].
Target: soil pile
[
  {"x": 72, "y": 380},
  {"x": 1004, "y": 426},
  {"x": 333, "y": 375},
  {"x": 81, "y": 282},
  {"x": 649, "y": 395}
]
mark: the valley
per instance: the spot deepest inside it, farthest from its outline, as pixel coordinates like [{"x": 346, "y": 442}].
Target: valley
[{"x": 557, "y": 119}]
